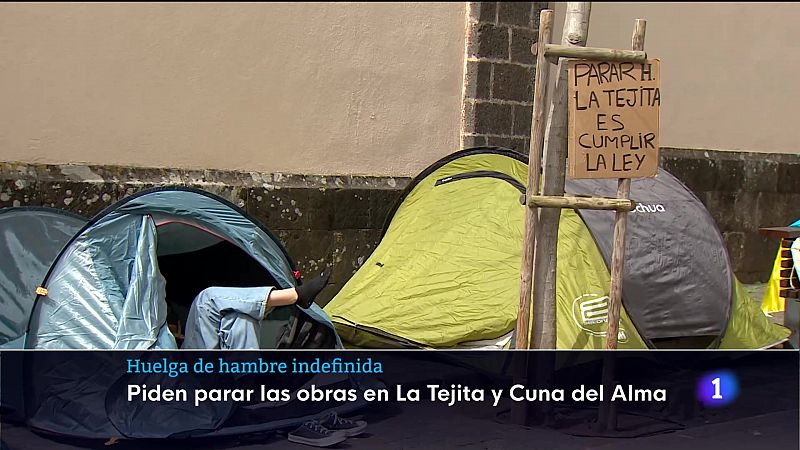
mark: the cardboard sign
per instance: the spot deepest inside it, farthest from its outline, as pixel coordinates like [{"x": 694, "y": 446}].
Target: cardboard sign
[{"x": 613, "y": 118}]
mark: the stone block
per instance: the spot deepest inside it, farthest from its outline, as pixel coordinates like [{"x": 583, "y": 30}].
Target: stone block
[
  {"x": 730, "y": 175},
  {"x": 720, "y": 205},
  {"x": 311, "y": 249},
  {"x": 759, "y": 175},
  {"x": 522, "y": 120},
  {"x": 758, "y": 254},
  {"x": 772, "y": 210},
  {"x": 350, "y": 208},
  {"x": 517, "y": 144},
  {"x": 521, "y": 41},
  {"x": 484, "y": 11},
  {"x": 734, "y": 240},
  {"x": 469, "y": 117},
  {"x": 488, "y": 40},
  {"x": 381, "y": 203},
  {"x": 788, "y": 178},
  {"x": 319, "y": 210},
  {"x": 125, "y": 190},
  {"x": 18, "y": 171},
  {"x": 515, "y": 13},
  {"x": 479, "y": 80},
  {"x": 493, "y": 118},
  {"x": 279, "y": 209},
  {"x": 474, "y": 141},
  {"x": 698, "y": 174},
  {"x": 234, "y": 194},
  {"x": 512, "y": 82},
  {"x": 86, "y": 199},
  {"x": 745, "y": 209},
  {"x": 350, "y": 249},
  {"x": 19, "y": 192}
]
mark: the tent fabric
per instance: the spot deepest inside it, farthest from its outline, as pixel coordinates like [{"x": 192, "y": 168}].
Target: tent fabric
[
  {"x": 748, "y": 327},
  {"x": 682, "y": 282},
  {"x": 30, "y": 240},
  {"x": 418, "y": 301},
  {"x": 772, "y": 302},
  {"x": 105, "y": 290},
  {"x": 583, "y": 294},
  {"x": 446, "y": 273}
]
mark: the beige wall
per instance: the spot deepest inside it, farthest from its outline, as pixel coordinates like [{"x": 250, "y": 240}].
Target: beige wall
[
  {"x": 305, "y": 88},
  {"x": 729, "y": 70}
]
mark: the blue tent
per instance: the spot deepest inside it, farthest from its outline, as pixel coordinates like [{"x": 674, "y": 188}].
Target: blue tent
[
  {"x": 109, "y": 287},
  {"x": 114, "y": 285},
  {"x": 30, "y": 240}
]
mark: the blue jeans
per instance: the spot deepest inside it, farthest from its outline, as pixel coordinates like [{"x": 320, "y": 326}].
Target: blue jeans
[{"x": 226, "y": 318}]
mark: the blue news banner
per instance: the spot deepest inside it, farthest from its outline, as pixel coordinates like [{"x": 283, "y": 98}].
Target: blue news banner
[{"x": 226, "y": 399}]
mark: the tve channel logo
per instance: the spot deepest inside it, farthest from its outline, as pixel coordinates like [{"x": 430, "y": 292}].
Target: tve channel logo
[{"x": 718, "y": 388}]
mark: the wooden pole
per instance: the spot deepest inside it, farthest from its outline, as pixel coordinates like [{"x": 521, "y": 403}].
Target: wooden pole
[
  {"x": 519, "y": 410},
  {"x": 606, "y": 413},
  {"x": 534, "y": 167},
  {"x": 618, "y": 204},
  {"x": 620, "y": 227},
  {"x": 595, "y": 54},
  {"x": 576, "y": 30}
]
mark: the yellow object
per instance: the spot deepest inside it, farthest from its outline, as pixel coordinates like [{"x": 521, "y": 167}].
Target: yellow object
[
  {"x": 772, "y": 302},
  {"x": 41, "y": 291}
]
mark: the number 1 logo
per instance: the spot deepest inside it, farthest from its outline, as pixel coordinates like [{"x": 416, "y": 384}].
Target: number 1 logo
[
  {"x": 718, "y": 388},
  {"x": 717, "y": 395}
]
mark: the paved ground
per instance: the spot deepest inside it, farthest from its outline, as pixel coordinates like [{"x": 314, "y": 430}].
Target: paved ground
[{"x": 422, "y": 428}]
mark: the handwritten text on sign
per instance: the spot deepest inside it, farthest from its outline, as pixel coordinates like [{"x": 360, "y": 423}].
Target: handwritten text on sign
[{"x": 613, "y": 114}]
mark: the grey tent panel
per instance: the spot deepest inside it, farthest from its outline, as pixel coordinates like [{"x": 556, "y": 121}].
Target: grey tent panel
[
  {"x": 30, "y": 240},
  {"x": 682, "y": 283}
]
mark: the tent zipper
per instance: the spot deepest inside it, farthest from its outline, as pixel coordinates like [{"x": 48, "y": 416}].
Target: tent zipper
[
  {"x": 483, "y": 174},
  {"x": 380, "y": 333}
]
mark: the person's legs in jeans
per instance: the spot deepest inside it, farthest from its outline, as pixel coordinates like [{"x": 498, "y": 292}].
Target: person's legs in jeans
[
  {"x": 222, "y": 317},
  {"x": 239, "y": 331},
  {"x": 217, "y": 312}
]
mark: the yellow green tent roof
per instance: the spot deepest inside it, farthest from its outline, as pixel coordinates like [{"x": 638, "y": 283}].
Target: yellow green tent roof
[{"x": 446, "y": 273}]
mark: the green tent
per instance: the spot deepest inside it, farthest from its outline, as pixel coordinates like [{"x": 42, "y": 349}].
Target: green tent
[{"x": 446, "y": 272}]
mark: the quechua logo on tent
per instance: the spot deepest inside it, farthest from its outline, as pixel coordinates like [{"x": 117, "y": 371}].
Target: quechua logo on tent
[
  {"x": 649, "y": 208},
  {"x": 590, "y": 313}
]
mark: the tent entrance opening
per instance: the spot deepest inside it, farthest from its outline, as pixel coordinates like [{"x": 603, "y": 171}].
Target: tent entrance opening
[{"x": 192, "y": 259}]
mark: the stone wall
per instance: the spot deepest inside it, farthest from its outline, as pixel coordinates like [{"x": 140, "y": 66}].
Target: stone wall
[
  {"x": 743, "y": 191},
  {"x": 322, "y": 220},
  {"x": 338, "y": 220},
  {"x": 500, "y": 68}
]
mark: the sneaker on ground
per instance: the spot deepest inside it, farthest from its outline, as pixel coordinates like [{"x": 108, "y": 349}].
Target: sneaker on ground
[
  {"x": 312, "y": 433},
  {"x": 351, "y": 427}
]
